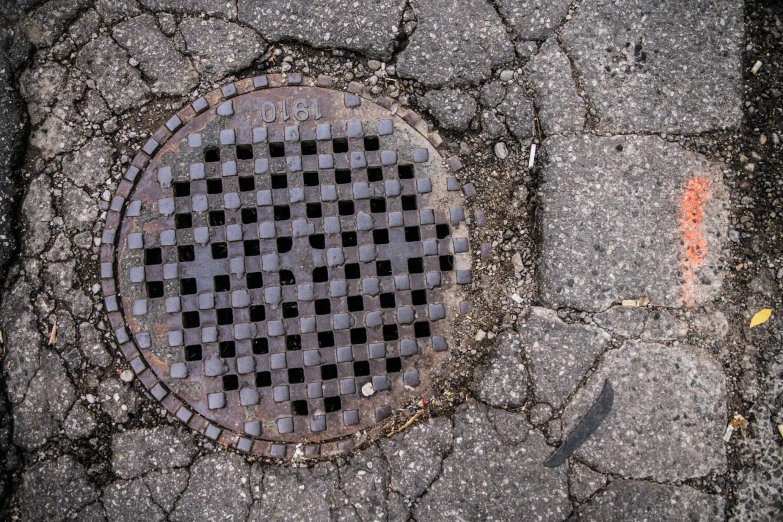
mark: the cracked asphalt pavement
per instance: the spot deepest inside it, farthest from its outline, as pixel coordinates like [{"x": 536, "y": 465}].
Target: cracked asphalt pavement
[{"x": 621, "y": 163}]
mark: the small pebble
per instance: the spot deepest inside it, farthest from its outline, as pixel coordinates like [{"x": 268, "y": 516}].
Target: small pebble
[
  {"x": 367, "y": 389},
  {"x": 126, "y": 376},
  {"x": 507, "y": 75},
  {"x": 501, "y": 151}
]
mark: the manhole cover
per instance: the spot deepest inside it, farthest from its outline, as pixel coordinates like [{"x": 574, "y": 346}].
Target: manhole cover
[{"x": 281, "y": 264}]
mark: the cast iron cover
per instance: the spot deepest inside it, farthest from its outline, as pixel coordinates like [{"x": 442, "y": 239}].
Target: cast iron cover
[{"x": 281, "y": 264}]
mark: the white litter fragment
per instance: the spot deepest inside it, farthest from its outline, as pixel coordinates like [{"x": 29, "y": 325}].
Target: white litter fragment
[
  {"x": 729, "y": 432},
  {"x": 516, "y": 297},
  {"x": 367, "y": 389},
  {"x": 532, "y": 156},
  {"x": 756, "y": 67}
]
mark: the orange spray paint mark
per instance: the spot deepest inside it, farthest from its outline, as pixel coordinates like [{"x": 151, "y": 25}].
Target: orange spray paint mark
[{"x": 694, "y": 197}]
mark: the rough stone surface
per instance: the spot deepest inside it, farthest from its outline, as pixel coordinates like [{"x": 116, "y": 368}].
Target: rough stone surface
[
  {"x": 79, "y": 209},
  {"x": 220, "y": 48},
  {"x": 758, "y": 495},
  {"x": 296, "y": 495},
  {"x": 220, "y": 8},
  {"x": 446, "y": 50},
  {"x": 118, "y": 399},
  {"x": 643, "y": 72},
  {"x": 623, "y": 320},
  {"x": 129, "y": 501},
  {"x": 558, "y": 354},
  {"x": 491, "y": 94},
  {"x": 634, "y": 500},
  {"x": 157, "y": 57},
  {"x": 518, "y": 110},
  {"x": 451, "y": 107},
  {"x": 369, "y": 27},
  {"x": 220, "y": 476},
  {"x": 22, "y": 343},
  {"x": 613, "y": 217},
  {"x": 92, "y": 513},
  {"x": 415, "y": 455},
  {"x": 514, "y": 484},
  {"x": 13, "y": 128},
  {"x": 49, "y": 21},
  {"x": 533, "y": 19},
  {"x": 365, "y": 482},
  {"x": 54, "y": 489},
  {"x": 136, "y": 452},
  {"x": 107, "y": 64},
  {"x": 79, "y": 423},
  {"x": 45, "y": 405},
  {"x": 584, "y": 482},
  {"x": 668, "y": 416},
  {"x": 39, "y": 85},
  {"x": 502, "y": 381},
  {"x": 89, "y": 166},
  {"x": 560, "y": 107},
  {"x": 112, "y": 11},
  {"x": 663, "y": 326},
  {"x": 54, "y": 136},
  {"x": 166, "y": 485}
]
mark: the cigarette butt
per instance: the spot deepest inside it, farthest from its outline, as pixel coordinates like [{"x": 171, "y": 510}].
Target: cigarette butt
[
  {"x": 756, "y": 67},
  {"x": 532, "y": 156}
]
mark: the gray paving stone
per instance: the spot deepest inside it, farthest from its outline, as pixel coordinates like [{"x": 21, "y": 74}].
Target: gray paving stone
[
  {"x": 157, "y": 57},
  {"x": 451, "y": 107},
  {"x": 502, "y": 380},
  {"x": 614, "y": 215},
  {"x": 486, "y": 478},
  {"x": 39, "y": 85},
  {"x": 54, "y": 489},
  {"x": 218, "y": 490},
  {"x": 415, "y": 455},
  {"x": 79, "y": 423},
  {"x": 365, "y": 482},
  {"x": 398, "y": 510},
  {"x": 118, "y": 399},
  {"x": 296, "y": 494},
  {"x": 456, "y": 42},
  {"x": 130, "y": 501},
  {"x": 107, "y": 64},
  {"x": 583, "y": 482},
  {"x": 23, "y": 345},
  {"x": 92, "y": 346},
  {"x": 220, "y": 48},
  {"x": 84, "y": 27},
  {"x": 558, "y": 354},
  {"x": 533, "y": 19},
  {"x": 44, "y": 26},
  {"x": 92, "y": 513},
  {"x": 491, "y": 94},
  {"x": 492, "y": 126},
  {"x": 54, "y": 137},
  {"x": 45, "y": 406},
  {"x": 89, "y": 166},
  {"x": 112, "y": 11},
  {"x": 668, "y": 417},
  {"x": 758, "y": 494},
  {"x": 518, "y": 110},
  {"x": 166, "y": 485},
  {"x": 37, "y": 213},
  {"x": 634, "y": 500},
  {"x": 561, "y": 109},
  {"x": 644, "y": 72},
  {"x": 221, "y": 8},
  {"x": 136, "y": 452},
  {"x": 663, "y": 326},
  {"x": 369, "y": 27},
  {"x": 94, "y": 108},
  {"x": 623, "y": 320}
]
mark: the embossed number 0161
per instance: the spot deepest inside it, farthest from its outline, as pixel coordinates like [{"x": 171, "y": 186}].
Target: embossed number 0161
[{"x": 301, "y": 110}]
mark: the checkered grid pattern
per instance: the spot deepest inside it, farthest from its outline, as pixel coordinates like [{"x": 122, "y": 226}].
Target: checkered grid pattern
[{"x": 326, "y": 255}]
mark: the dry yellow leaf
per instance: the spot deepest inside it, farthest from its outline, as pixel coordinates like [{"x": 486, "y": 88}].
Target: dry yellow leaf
[{"x": 761, "y": 317}]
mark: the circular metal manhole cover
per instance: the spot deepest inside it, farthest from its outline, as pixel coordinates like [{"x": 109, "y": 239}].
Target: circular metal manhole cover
[{"x": 281, "y": 264}]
